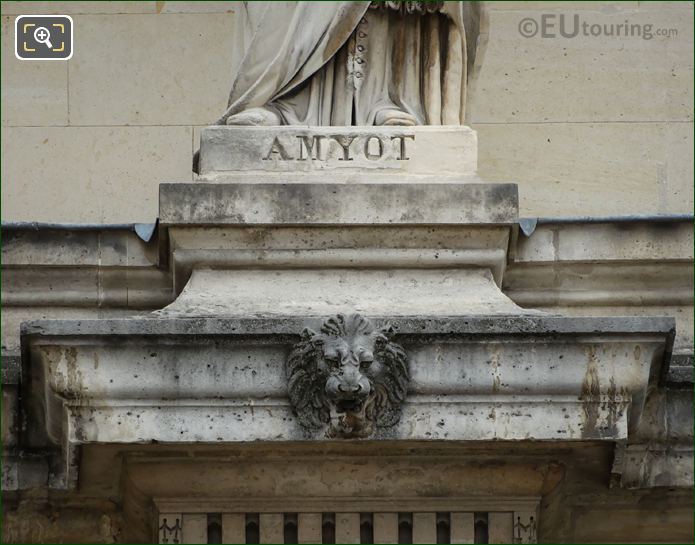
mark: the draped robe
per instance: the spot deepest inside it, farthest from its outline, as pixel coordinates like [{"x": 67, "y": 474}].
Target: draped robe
[{"x": 340, "y": 63}]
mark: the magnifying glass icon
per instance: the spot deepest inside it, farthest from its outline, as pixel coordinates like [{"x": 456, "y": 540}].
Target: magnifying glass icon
[{"x": 43, "y": 36}]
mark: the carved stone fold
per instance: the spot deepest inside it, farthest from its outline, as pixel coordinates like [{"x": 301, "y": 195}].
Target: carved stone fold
[{"x": 349, "y": 379}]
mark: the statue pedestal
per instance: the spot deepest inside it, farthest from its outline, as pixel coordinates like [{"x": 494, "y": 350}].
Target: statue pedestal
[
  {"x": 262, "y": 247},
  {"x": 331, "y": 154}
]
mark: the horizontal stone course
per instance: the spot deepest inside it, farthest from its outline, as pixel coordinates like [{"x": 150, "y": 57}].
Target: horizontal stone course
[{"x": 202, "y": 203}]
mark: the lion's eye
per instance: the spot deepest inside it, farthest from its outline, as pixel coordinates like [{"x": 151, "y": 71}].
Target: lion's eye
[{"x": 331, "y": 359}]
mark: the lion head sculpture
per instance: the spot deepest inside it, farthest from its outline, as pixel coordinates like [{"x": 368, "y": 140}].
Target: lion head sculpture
[{"x": 348, "y": 378}]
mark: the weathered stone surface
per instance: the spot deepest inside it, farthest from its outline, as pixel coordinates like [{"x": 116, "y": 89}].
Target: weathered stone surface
[
  {"x": 10, "y": 413},
  {"x": 311, "y": 248},
  {"x": 591, "y": 169},
  {"x": 13, "y": 317},
  {"x": 631, "y": 267},
  {"x": 35, "y": 522},
  {"x": 575, "y": 157},
  {"x": 38, "y": 7},
  {"x": 402, "y": 150},
  {"x": 572, "y": 74},
  {"x": 222, "y": 380},
  {"x": 635, "y": 240},
  {"x": 337, "y": 203},
  {"x": 320, "y": 292},
  {"x": 49, "y": 161},
  {"x": 103, "y": 94},
  {"x": 656, "y": 465},
  {"x": 97, "y": 267},
  {"x": 11, "y": 368},
  {"x": 660, "y": 452},
  {"x": 24, "y": 472},
  {"x": 32, "y": 93},
  {"x": 681, "y": 370}
]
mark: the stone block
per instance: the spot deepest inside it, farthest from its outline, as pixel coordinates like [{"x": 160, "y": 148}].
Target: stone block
[
  {"x": 462, "y": 527},
  {"x": 195, "y": 528},
  {"x": 683, "y": 6},
  {"x": 509, "y": 384},
  {"x": 649, "y": 523},
  {"x": 198, "y": 7},
  {"x": 12, "y": 317},
  {"x": 72, "y": 8},
  {"x": 347, "y": 528},
  {"x": 543, "y": 6},
  {"x": 10, "y": 407},
  {"x": 385, "y": 527},
  {"x": 234, "y": 527},
  {"x": 105, "y": 93},
  {"x": 648, "y": 466},
  {"x": 676, "y": 173},
  {"x": 337, "y": 204},
  {"x": 271, "y": 527},
  {"x": 500, "y": 528},
  {"x": 309, "y": 528},
  {"x": 424, "y": 527},
  {"x": 589, "y": 169},
  {"x": 403, "y": 150},
  {"x": 603, "y": 242},
  {"x": 90, "y": 174},
  {"x": 273, "y": 292},
  {"x": 557, "y": 79},
  {"x": 33, "y": 93}
]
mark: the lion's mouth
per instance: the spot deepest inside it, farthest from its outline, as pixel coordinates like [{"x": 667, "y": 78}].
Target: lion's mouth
[{"x": 348, "y": 405}]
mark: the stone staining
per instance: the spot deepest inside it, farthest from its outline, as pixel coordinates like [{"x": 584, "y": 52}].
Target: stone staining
[{"x": 349, "y": 379}]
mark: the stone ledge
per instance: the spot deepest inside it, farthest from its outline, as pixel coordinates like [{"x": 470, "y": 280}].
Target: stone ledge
[
  {"x": 406, "y": 325},
  {"x": 681, "y": 371},
  {"x": 214, "y": 380},
  {"x": 261, "y": 291},
  {"x": 655, "y": 465},
  {"x": 337, "y": 204}
]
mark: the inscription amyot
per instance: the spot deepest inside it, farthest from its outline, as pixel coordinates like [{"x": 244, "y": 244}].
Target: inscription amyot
[{"x": 314, "y": 147}]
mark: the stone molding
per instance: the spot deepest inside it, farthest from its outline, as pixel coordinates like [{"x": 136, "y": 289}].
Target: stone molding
[{"x": 220, "y": 380}]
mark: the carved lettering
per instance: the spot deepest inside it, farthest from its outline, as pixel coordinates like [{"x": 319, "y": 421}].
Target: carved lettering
[
  {"x": 373, "y": 156},
  {"x": 402, "y": 156},
  {"x": 312, "y": 147},
  {"x": 310, "y": 143},
  {"x": 345, "y": 142},
  {"x": 278, "y": 149}
]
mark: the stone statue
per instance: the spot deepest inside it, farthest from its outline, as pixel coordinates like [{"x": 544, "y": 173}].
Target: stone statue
[
  {"x": 351, "y": 63},
  {"x": 347, "y": 379}
]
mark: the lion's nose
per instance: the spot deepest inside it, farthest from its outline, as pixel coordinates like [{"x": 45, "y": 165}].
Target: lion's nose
[{"x": 352, "y": 390}]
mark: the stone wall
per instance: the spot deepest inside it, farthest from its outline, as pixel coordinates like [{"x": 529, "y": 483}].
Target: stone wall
[{"x": 590, "y": 125}]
